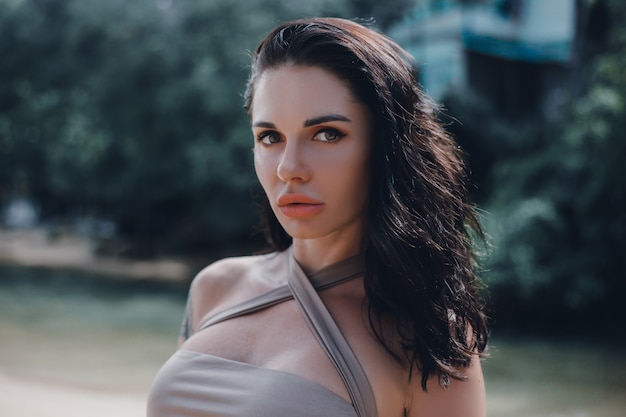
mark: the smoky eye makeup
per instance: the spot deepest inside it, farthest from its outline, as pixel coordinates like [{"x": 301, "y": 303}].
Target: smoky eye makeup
[
  {"x": 268, "y": 137},
  {"x": 328, "y": 134}
]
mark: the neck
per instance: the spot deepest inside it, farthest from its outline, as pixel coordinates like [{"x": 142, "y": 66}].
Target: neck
[{"x": 315, "y": 254}]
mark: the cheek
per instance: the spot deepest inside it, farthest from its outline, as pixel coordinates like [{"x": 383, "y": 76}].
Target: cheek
[
  {"x": 362, "y": 181},
  {"x": 361, "y": 176},
  {"x": 262, "y": 167},
  {"x": 258, "y": 166},
  {"x": 349, "y": 178},
  {"x": 358, "y": 167}
]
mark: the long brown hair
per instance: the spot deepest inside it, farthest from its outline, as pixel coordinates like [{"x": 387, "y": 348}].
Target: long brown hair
[{"x": 419, "y": 252}]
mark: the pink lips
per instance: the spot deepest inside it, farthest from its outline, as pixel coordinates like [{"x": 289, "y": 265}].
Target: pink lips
[{"x": 299, "y": 205}]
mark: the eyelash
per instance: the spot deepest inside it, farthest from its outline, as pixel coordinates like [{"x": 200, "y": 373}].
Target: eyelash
[
  {"x": 335, "y": 132},
  {"x": 261, "y": 137},
  {"x": 270, "y": 133}
]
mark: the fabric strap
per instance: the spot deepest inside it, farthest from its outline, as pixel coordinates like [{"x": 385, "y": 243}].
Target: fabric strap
[
  {"x": 330, "y": 337},
  {"x": 326, "y": 278},
  {"x": 317, "y": 316}
]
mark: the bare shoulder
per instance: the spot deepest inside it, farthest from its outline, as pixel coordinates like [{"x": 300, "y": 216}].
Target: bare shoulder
[
  {"x": 230, "y": 281},
  {"x": 221, "y": 275},
  {"x": 460, "y": 399}
]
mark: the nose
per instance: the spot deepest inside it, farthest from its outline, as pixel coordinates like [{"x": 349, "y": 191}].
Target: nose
[{"x": 293, "y": 164}]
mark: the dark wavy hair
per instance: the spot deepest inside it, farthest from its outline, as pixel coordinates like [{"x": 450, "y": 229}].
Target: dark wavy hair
[{"x": 420, "y": 264}]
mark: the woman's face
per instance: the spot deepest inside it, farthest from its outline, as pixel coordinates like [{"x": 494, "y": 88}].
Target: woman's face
[{"x": 311, "y": 152}]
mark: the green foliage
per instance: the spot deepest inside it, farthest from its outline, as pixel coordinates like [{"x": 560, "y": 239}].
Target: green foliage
[
  {"x": 556, "y": 192},
  {"x": 132, "y": 109}
]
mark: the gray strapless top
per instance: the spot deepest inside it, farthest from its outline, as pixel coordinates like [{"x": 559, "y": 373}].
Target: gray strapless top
[{"x": 193, "y": 384}]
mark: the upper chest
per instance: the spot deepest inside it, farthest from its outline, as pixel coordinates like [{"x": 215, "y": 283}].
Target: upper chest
[{"x": 279, "y": 338}]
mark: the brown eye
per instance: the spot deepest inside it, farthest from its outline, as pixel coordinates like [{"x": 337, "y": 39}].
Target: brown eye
[
  {"x": 328, "y": 135},
  {"x": 269, "y": 138}
]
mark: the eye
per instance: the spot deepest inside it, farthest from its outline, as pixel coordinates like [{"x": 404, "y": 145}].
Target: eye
[
  {"x": 268, "y": 137},
  {"x": 328, "y": 135}
]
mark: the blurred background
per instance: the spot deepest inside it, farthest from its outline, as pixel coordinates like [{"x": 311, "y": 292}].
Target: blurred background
[{"x": 125, "y": 167}]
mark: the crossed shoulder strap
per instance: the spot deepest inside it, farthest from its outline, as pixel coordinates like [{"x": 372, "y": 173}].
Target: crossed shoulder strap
[
  {"x": 330, "y": 337},
  {"x": 326, "y": 331}
]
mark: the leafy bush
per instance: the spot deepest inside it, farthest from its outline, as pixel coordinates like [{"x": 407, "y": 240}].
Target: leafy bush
[
  {"x": 554, "y": 201},
  {"x": 131, "y": 110}
]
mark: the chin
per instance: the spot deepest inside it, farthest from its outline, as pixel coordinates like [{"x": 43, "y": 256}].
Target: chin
[
  {"x": 302, "y": 235},
  {"x": 302, "y": 232}
]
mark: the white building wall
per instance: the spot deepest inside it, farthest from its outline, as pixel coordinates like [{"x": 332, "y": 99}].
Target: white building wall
[{"x": 548, "y": 21}]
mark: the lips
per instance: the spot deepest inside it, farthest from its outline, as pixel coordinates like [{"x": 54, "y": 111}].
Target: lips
[
  {"x": 299, "y": 205},
  {"x": 292, "y": 198}
]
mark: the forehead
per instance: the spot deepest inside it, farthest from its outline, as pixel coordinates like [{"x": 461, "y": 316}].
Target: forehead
[{"x": 310, "y": 90}]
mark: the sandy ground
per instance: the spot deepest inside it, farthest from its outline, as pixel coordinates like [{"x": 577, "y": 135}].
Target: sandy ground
[
  {"x": 42, "y": 376},
  {"x": 35, "y": 248},
  {"x": 46, "y": 370},
  {"x": 30, "y": 398},
  {"x": 66, "y": 374}
]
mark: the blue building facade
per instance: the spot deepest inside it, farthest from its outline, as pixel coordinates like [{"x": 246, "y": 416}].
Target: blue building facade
[{"x": 512, "y": 51}]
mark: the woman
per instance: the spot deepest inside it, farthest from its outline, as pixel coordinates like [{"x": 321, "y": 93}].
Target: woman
[{"x": 367, "y": 304}]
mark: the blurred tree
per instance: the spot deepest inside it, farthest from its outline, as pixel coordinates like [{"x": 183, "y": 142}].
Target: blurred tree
[
  {"x": 132, "y": 110},
  {"x": 555, "y": 198},
  {"x": 383, "y": 14}
]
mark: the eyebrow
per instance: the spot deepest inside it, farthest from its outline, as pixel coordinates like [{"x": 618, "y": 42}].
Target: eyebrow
[
  {"x": 325, "y": 119},
  {"x": 267, "y": 125},
  {"x": 309, "y": 122}
]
